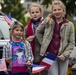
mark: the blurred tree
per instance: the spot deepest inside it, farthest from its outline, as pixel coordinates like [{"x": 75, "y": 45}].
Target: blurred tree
[
  {"x": 15, "y": 8},
  {"x": 70, "y": 5},
  {"x": 46, "y": 3}
]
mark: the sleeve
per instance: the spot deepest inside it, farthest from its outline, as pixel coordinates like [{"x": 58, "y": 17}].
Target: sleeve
[
  {"x": 29, "y": 53},
  {"x": 71, "y": 42},
  {"x": 6, "y": 51}
]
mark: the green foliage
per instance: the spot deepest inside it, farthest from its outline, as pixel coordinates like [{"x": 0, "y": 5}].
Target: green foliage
[
  {"x": 26, "y": 20},
  {"x": 15, "y": 8},
  {"x": 45, "y": 2},
  {"x": 70, "y": 6}
]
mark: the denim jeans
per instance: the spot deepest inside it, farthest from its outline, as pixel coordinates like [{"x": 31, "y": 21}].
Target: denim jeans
[{"x": 21, "y": 73}]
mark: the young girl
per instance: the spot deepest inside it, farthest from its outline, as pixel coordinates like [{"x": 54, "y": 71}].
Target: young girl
[
  {"x": 18, "y": 52},
  {"x": 35, "y": 11},
  {"x": 56, "y": 36}
]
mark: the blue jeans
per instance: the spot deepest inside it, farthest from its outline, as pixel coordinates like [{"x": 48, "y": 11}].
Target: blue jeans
[{"x": 20, "y": 73}]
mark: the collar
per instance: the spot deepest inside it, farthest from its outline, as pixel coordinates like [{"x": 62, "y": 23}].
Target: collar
[{"x": 64, "y": 20}]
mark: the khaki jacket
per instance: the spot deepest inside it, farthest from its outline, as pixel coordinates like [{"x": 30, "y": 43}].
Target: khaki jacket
[{"x": 44, "y": 35}]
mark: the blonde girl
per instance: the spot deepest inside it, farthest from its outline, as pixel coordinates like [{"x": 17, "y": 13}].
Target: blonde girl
[
  {"x": 18, "y": 52},
  {"x": 35, "y": 11},
  {"x": 56, "y": 36}
]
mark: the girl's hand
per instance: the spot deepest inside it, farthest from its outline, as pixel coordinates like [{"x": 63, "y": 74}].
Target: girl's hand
[
  {"x": 9, "y": 59},
  {"x": 28, "y": 63},
  {"x": 30, "y": 38},
  {"x": 62, "y": 57}
]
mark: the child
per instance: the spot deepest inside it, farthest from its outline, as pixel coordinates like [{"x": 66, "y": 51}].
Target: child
[
  {"x": 56, "y": 36},
  {"x": 35, "y": 11},
  {"x": 18, "y": 52}
]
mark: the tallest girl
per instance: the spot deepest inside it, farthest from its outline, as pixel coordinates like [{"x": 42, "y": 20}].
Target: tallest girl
[
  {"x": 56, "y": 36},
  {"x": 35, "y": 11}
]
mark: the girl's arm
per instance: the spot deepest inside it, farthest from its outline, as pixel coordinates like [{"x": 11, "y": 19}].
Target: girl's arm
[
  {"x": 29, "y": 53},
  {"x": 6, "y": 52},
  {"x": 30, "y": 38},
  {"x": 8, "y": 59}
]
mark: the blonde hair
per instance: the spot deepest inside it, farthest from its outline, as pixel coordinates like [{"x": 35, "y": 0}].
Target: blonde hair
[
  {"x": 55, "y": 2},
  {"x": 58, "y": 2},
  {"x": 14, "y": 26},
  {"x": 35, "y": 5}
]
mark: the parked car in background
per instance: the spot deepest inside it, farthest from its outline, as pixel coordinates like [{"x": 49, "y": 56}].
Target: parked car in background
[{"x": 4, "y": 33}]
